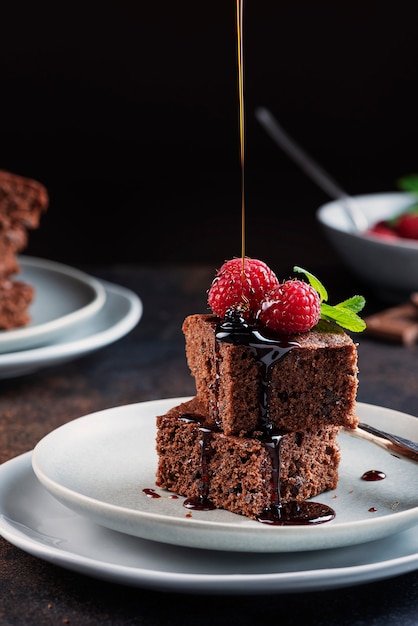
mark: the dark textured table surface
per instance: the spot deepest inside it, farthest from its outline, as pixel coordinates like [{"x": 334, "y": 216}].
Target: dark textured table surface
[{"x": 149, "y": 363}]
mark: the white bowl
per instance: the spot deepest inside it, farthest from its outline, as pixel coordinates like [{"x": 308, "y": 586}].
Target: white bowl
[{"x": 389, "y": 266}]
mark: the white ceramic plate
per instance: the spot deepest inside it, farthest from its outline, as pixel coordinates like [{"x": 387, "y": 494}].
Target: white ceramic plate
[
  {"x": 34, "y": 521},
  {"x": 64, "y": 297},
  {"x": 100, "y": 464},
  {"x": 121, "y": 311}
]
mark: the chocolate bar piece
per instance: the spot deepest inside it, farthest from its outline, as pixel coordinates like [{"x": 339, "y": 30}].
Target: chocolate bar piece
[{"x": 398, "y": 324}]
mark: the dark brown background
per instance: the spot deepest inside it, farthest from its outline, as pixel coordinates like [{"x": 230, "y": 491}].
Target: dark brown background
[{"x": 128, "y": 112}]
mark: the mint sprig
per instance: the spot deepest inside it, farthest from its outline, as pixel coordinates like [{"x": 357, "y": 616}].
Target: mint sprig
[
  {"x": 345, "y": 314},
  {"x": 408, "y": 183}
]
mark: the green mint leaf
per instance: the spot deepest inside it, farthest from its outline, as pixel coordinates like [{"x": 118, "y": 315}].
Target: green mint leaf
[
  {"x": 354, "y": 304},
  {"x": 314, "y": 282},
  {"x": 344, "y": 317},
  {"x": 345, "y": 313},
  {"x": 409, "y": 183}
]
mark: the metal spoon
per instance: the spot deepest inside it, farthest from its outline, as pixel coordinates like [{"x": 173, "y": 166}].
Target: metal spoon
[
  {"x": 397, "y": 446},
  {"x": 355, "y": 215}
]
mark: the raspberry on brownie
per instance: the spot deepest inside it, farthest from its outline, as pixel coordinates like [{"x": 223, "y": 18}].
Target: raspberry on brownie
[
  {"x": 293, "y": 307},
  {"x": 241, "y": 283}
]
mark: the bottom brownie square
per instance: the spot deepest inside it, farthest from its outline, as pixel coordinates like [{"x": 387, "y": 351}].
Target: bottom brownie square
[{"x": 244, "y": 475}]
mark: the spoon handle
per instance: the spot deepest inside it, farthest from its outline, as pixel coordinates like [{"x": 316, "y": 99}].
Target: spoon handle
[
  {"x": 396, "y": 445},
  {"x": 310, "y": 167}
]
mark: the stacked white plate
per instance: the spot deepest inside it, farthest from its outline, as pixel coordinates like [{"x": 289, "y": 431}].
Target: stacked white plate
[
  {"x": 58, "y": 504},
  {"x": 72, "y": 314}
]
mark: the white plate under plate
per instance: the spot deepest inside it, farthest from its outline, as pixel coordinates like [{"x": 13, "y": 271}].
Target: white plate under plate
[
  {"x": 34, "y": 521},
  {"x": 64, "y": 297},
  {"x": 99, "y": 465},
  {"x": 120, "y": 313}
]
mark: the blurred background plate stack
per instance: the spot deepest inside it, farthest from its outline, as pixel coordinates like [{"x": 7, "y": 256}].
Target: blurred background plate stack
[{"x": 73, "y": 313}]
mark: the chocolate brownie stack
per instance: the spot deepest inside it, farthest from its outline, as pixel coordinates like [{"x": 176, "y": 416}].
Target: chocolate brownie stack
[
  {"x": 262, "y": 429},
  {"x": 22, "y": 202}
]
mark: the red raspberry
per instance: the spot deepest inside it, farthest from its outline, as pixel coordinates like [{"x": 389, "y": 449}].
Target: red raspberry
[
  {"x": 292, "y": 307},
  {"x": 241, "y": 288},
  {"x": 407, "y": 226},
  {"x": 383, "y": 230}
]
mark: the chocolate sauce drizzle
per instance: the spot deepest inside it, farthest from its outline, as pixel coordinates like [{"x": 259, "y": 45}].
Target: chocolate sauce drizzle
[
  {"x": 151, "y": 493},
  {"x": 267, "y": 351},
  {"x": 201, "y": 502}
]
